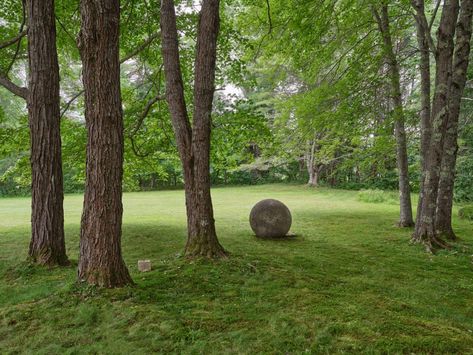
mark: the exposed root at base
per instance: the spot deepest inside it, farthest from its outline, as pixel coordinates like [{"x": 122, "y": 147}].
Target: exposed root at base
[
  {"x": 448, "y": 235},
  {"x": 431, "y": 243},
  {"x": 212, "y": 254}
]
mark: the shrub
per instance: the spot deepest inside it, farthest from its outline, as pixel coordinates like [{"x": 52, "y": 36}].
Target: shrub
[
  {"x": 377, "y": 196},
  {"x": 466, "y": 212}
]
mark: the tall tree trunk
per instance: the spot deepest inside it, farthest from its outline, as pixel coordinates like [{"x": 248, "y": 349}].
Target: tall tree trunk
[
  {"x": 405, "y": 219},
  {"x": 425, "y": 231},
  {"x": 100, "y": 260},
  {"x": 47, "y": 246},
  {"x": 194, "y": 142},
  {"x": 423, "y": 35},
  {"x": 443, "y": 218}
]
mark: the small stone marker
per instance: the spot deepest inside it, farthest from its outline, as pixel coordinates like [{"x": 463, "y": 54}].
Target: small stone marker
[
  {"x": 270, "y": 219},
  {"x": 144, "y": 265}
]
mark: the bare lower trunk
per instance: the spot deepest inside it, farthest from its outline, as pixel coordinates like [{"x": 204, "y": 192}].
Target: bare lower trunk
[
  {"x": 310, "y": 160},
  {"x": 201, "y": 235},
  {"x": 194, "y": 142},
  {"x": 313, "y": 178},
  {"x": 443, "y": 218},
  {"x": 425, "y": 231},
  {"x": 100, "y": 260},
  {"x": 47, "y": 246},
  {"x": 405, "y": 215}
]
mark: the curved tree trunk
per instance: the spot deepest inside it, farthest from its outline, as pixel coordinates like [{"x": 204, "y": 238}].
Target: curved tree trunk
[
  {"x": 194, "y": 142},
  {"x": 443, "y": 218},
  {"x": 47, "y": 246},
  {"x": 100, "y": 260},
  {"x": 405, "y": 215}
]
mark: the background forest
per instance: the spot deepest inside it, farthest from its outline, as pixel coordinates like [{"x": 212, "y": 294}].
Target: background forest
[{"x": 302, "y": 95}]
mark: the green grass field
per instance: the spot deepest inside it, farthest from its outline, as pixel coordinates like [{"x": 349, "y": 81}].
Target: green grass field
[{"x": 349, "y": 282}]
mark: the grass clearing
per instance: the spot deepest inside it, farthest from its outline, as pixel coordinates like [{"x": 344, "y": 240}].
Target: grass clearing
[{"x": 349, "y": 282}]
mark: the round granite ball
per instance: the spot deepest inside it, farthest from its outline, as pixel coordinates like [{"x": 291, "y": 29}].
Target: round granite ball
[{"x": 270, "y": 219}]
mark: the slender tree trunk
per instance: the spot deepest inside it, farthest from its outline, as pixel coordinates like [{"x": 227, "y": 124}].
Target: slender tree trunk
[
  {"x": 194, "y": 142},
  {"x": 47, "y": 245},
  {"x": 425, "y": 231},
  {"x": 425, "y": 122},
  {"x": 100, "y": 260},
  {"x": 443, "y": 218},
  {"x": 313, "y": 177},
  {"x": 312, "y": 167},
  {"x": 405, "y": 219}
]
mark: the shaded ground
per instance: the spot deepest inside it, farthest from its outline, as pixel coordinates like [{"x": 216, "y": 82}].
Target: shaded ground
[{"x": 349, "y": 282}]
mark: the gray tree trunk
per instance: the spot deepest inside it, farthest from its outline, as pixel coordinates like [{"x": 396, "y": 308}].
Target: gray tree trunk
[
  {"x": 405, "y": 219},
  {"x": 443, "y": 218},
  {"x": 423, "y": 34},
  {"x": 425, "y": 231}
]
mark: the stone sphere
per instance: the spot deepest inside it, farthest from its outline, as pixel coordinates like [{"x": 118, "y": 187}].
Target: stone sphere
[{"x": 270, "y": 219}]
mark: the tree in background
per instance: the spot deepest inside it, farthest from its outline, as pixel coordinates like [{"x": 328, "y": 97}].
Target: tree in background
[
  {"x": 382, "y": 19},
  {"x": 193, "y": 141},
  {"x": 100, "y": 260}
]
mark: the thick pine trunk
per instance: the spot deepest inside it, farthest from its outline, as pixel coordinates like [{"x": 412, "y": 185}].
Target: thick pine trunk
[
  {"x": 100, "y": 260},
  {"x": 194, "y": 142},
  {"x": 47, "y": 246},
  {"x": 425, "y": 231},
  {"x": 443, "y": 218},
  {"x": 405, "y": 215}
]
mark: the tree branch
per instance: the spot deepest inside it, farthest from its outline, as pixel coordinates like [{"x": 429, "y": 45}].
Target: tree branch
[
  {"x": 122, "y": 60},
  {"x": 13, "y": 88},
  {"x": 140, "y": 48},
  {"x": 145, "y": 112},
  {"x": 18, "y": 46},
  {"x": 421, "y": 20},
  {"x": 269, "y": 17},
  {"x": 432, "y": 20},
  {"x": 69, "y": 103},
  {"x": 13, "y": 40}
]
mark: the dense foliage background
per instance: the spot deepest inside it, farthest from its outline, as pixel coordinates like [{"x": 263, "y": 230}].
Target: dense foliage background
[{"x": 279, "y": 102}]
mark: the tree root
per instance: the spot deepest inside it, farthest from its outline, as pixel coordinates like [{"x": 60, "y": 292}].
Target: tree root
[{"x": 431, "y": 242}]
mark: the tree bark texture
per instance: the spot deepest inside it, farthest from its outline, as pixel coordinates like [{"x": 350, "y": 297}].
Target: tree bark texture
[
  {"x": 100, "y": 260},
  {"x": 47, "y": 246},
  {"x": 443, "y": 218},
  {"x": 194, "y": 141},
  {"x": 425, "y": 231},
  {"x": 405, "y": 219},
  {"x": 423, "y": 32}
]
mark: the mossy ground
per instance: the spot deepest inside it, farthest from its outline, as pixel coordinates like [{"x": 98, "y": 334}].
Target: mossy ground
[{"x": 349, "y": 282}]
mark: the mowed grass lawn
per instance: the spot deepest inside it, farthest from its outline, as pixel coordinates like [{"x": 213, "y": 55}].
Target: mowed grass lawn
[{"x": 349, "y": 282}]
